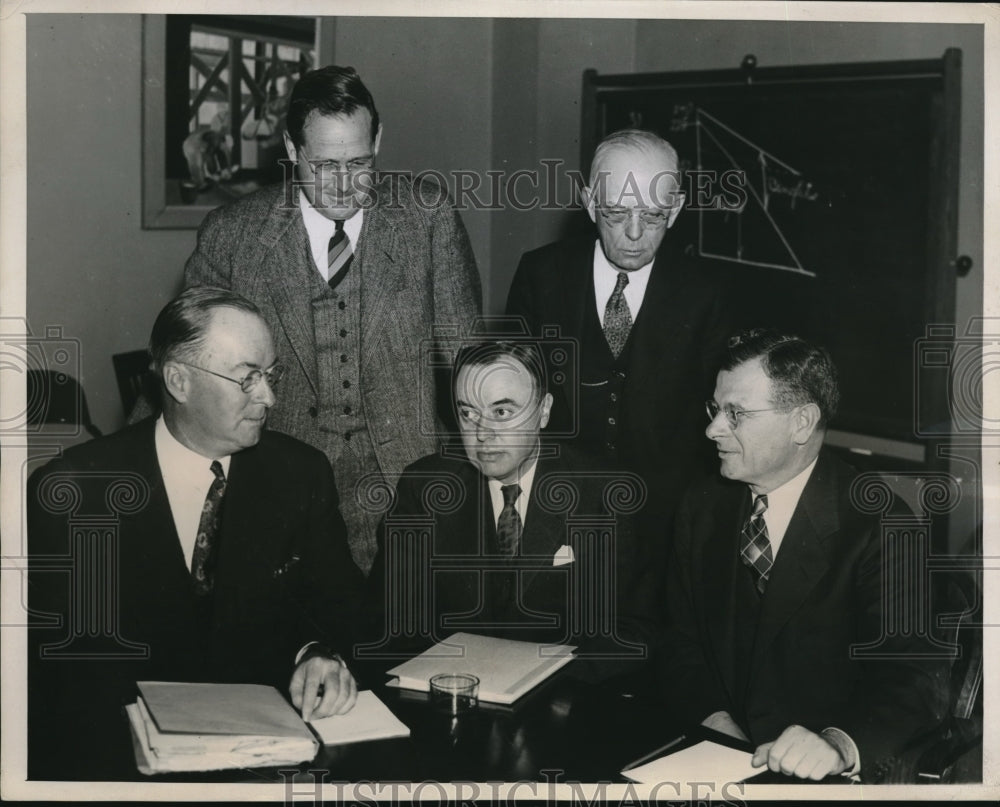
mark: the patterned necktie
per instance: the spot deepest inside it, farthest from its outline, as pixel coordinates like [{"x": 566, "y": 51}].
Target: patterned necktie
[
  {"x": 756, "y": 547},
  {"x": 339, "y": 255},
  {"x": 617, "y": 317},
  {"x": 203, "y": 557},
  {"x": 509, "y": 523}
]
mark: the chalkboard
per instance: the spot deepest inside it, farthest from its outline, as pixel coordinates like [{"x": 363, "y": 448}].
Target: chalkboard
[{"x": 828, "y": 196}]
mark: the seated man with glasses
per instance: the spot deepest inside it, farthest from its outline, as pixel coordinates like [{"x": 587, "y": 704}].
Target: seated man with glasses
[
  {"x": 777, "y": 578},
  {"x": 194, "y": 546},
  {"x": 649, "y": 321},
  {"x": 507, "y": 534}
]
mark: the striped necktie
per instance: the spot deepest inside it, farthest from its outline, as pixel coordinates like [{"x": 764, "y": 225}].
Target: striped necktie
[{"x": 339, "y": 255}]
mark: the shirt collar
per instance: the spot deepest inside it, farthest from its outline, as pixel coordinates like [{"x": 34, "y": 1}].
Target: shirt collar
[
  {"x": 785, "y": 497},
  {"x": 603, "y": 265},
  {"x": 316, "y": 222},
  {"x": 525, "y": 480},
  {"x": 175, "y": 455}
]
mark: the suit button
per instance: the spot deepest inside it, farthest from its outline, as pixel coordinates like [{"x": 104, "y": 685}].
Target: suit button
[
  {"x": 611, "y": 421},
  {"x": 347, "y": 410},
  {"x": 620, "y": 373},
  {"x": 614, "y": 397},
  {"x": 341, "y": 305},
  {"x": 343, "y": 332},
  {"x": 347, "y": 385},
  {"x": 343, "y": 358},
  {"x": 313, "y": 411}
]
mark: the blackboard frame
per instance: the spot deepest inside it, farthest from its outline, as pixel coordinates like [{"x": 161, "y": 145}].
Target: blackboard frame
[{"x": 894, "y": 442}]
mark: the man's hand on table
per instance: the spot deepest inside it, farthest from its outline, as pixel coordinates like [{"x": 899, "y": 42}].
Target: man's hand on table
[
  {"x": 802, "y": 753},
  {"x": 322, "y": 686}
]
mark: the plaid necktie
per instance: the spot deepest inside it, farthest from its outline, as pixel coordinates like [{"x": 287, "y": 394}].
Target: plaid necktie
[
  {"x": 203, "y": 557},
  {"x": 756, "y": 546},
  {"x": 617, "y": 317},
  {"x": 509, "y": 523},
  {"x": 339, "y": 255}
]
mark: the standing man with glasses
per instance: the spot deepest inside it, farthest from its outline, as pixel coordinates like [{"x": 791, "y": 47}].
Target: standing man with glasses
[
  {"x": 212, "y": 550},
  {"x": 777, "y": 578},
  {"x": 648, "y": 320},
  {"x": 353, "y": 273}
]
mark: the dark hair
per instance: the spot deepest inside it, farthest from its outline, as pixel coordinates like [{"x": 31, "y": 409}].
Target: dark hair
[
  {"x": 483, "y": 352},
  {"x": 800, "y": 372},
  {"x": 329, "y": 91},
  {"x": 180, "y": 327}
]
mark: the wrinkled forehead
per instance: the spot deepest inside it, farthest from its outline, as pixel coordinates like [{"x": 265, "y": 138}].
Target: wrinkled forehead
[
  {"x": 635, "y": 177},
  {"x": 499, "y": 379}
]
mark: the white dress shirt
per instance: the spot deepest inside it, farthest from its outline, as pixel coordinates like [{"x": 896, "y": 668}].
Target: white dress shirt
[
  {"x": 525, "y": 480},
  {"x": 187, "y": 476},
  {"x": 605, "y": 278},
  {"x": 320, "y": 230},
  {"x": 781, "y": 503}
]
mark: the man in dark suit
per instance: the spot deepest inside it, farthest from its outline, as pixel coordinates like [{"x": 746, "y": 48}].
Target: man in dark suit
[
  {"x": 777, "y": 580},
  {"x": 199, "y": 547},
  {"x": 648, "y": 322},
  {"x": 507, "y": 535},
  {"x": 353, "y": 274}
]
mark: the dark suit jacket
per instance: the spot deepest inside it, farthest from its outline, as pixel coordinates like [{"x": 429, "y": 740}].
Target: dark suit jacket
[
  {"x": 451, "y": 496},
  {"x": 280, "y": 504},
  {"x": 825, "y": 593},
  {"x": 417, "y": 271},
  {"x": 675, "y": 352}
]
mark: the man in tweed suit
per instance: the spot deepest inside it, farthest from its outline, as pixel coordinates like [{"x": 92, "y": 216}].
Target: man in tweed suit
[{"x": 353, "y": 274}]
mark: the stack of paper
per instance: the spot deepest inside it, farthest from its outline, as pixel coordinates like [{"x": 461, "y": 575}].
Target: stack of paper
[
  {"x": 703, "y": 762},
  {"x": 506, "y": 669},
  {"x": 202, "y": 727},
  {"x": 370, "y": 719}
]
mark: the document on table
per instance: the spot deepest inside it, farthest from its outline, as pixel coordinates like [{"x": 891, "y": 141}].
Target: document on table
[
  {"x": 201, "y": 727},
  {"x": 506, "y": 668},
  {"x": 703, "y": 762},
  {"x": 370, "y": 719}
]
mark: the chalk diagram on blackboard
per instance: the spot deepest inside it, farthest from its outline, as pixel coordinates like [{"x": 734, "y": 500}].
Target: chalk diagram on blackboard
[{"x": 750, "y": 234}]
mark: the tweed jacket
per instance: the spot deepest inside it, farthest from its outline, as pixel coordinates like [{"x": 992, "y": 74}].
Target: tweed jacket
[{"x": 417, "y": 272}]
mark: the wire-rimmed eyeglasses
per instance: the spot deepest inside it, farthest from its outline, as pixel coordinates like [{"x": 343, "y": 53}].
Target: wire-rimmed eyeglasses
[
  {"x": 649, "y": 218},
  {"x": 734, "y": 415},
  {"x": 273, "y": 375}
]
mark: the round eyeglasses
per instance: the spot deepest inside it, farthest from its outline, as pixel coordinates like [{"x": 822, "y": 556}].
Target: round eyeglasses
[
  {"x": 273, "y": 375},
  {"x": 733, "y": 415},
  {"x": 649, "y": 218}
]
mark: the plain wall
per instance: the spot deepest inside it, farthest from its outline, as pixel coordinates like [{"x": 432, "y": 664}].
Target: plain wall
[{"x": 91, "y": 268}]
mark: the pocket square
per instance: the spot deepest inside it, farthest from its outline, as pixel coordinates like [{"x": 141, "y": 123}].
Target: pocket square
[{"x": 563, "y": 555}]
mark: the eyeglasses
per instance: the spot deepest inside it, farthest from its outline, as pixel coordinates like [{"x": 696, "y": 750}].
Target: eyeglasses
[
  {"x": 649, "y": 218},
  {"x": 733, "y": 415},
  {"x": 330, "y": 168},
  {"x": 273, "y": 375}
]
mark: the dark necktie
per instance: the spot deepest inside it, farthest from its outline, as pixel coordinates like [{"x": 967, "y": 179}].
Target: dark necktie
[
  {"x": 617, "y": 317},
  {"x": 756, "y": 545},
  {"x": 509, "y": 523},
  {"x": 339, "y": 255},
  {"x": 205, "y": 546}
]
